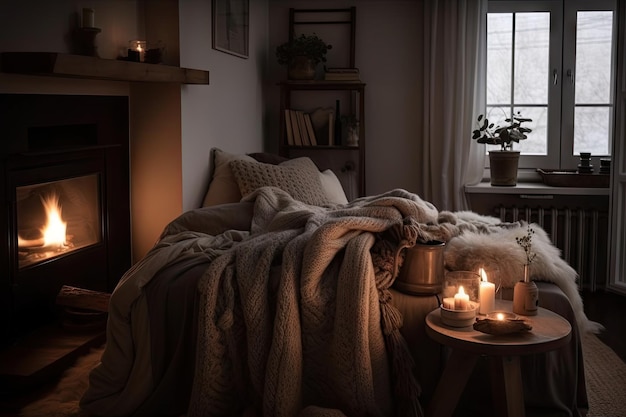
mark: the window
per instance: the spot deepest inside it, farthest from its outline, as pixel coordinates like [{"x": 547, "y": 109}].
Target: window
[{"x": 553, "y": 61}]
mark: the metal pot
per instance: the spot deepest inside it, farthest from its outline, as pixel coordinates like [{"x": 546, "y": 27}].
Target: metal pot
[{"x": 423, "y": 269}]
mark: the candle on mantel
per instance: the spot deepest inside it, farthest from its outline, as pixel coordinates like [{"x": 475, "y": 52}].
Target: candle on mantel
[
  {"x": 487, "y": 294},
  {"x": 461, "y": 300}
]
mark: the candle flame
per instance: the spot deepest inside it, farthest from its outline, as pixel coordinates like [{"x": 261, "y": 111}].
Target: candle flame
[
  {"x": 483, "y": 275},
  {"x": 461, "y": 290},
  {"x": 500, "y": 316},
  {"x": 54, "y": 231}
]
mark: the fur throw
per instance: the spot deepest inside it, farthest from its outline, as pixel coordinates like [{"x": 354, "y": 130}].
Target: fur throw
[{"x": 470, "y": 251}]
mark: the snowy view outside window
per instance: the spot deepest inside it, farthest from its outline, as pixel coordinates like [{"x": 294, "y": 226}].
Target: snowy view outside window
[{"x": 519, "y": 77}]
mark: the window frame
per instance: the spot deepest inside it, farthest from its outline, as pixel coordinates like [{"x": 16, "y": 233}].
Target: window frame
[{"x": 561, "y": 92}]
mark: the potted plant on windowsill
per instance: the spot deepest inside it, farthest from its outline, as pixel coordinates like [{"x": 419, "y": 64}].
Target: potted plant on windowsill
[
  {"x": 301, "y": 55},
  {"x": 503, "y": 163}
]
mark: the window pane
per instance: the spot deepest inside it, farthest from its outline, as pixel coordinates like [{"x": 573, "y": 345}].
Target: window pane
[
  {"x": 532, "y": 50},
  {"x": 499, "y": 60},
  {"x": 537, "y": 141},
  {"x": 593, "y": 57},
  {"x": 591, "y": 130}
]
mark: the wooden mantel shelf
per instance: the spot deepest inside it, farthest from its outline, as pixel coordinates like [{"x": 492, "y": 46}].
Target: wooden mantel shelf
[{"x": 79, "y": 66}]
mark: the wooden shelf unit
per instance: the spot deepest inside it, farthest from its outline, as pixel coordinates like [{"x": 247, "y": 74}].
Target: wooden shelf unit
[{"x": 335, "y": 157}]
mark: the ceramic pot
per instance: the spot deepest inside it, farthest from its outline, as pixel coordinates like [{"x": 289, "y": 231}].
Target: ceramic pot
[
  {"x": 525, "y": 298},
  {"x": 302, "y": 68},
  {"x": 503, "y": 167}
]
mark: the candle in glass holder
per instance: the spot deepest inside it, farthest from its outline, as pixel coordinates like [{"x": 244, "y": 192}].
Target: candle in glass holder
[
  {"x": 461, "y": 300},
  {"x": 137, "y": 51},
  {"x": 487, "y": 294}
]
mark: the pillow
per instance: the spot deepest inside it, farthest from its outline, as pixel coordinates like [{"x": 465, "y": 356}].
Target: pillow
[
  {"x": 223, "y": 187},
  {"x": 332, "y": 187},
  {"x": 299, "y": 177}
]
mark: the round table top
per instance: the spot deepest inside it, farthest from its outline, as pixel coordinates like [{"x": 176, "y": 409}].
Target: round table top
[{"x": 549, "y": 331}]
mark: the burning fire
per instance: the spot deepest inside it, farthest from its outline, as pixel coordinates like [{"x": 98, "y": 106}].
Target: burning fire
[{"x": 54, "y": 231}]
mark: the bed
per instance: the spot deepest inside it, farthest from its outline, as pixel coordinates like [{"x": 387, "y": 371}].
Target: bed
[{"x": 277, "y": 298}]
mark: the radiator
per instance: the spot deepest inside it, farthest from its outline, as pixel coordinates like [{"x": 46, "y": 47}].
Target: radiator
[{"x": 580, "y": 234}]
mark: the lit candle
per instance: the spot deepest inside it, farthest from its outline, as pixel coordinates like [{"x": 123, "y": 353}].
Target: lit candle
[
  {"x": 88, "y": 18},
  {"x": 448, "y": 303},
  {"x": 461, "y": 300},
  {"x": 500, "y": 316},
  {"x": 487, "y": 294}
]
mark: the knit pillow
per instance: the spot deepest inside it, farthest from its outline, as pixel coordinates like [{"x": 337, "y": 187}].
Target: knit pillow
[{"x": 299, "y": 177}]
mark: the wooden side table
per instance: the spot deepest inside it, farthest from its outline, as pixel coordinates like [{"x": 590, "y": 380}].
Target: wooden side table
[{"x": 549, "y": 332}]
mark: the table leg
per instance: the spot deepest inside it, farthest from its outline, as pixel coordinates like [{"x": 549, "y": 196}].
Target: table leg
[
  {"x": 451, "y": 384},
  {"x": 513, "y": 386}
]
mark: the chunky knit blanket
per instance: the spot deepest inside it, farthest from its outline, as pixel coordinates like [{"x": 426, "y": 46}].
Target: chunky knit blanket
[{"x": 321, "y": 336}]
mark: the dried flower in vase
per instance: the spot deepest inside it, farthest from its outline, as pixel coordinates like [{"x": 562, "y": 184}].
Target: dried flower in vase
[{"x": 526, "y": 242}]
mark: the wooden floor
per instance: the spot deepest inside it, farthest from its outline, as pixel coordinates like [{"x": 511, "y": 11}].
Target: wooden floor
[
  {"x": 30, "y": 367},
  {"x": 609, "y": 309}
]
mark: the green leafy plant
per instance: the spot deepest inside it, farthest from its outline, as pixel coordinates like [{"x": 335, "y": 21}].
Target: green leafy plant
[
  {"x": 310, "y": 46},
  {"x": 504, "y": 136}
]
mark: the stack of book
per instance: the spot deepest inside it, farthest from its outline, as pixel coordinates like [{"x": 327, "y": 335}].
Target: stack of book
[
  {"x": 299, "y": 128},
  {"x": 341, "y": 74}
]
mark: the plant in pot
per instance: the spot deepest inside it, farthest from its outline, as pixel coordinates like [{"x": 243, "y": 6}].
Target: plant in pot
[
  {"x": 504, "y": 162},
  {"x": 301, "y": 55},
  {"x": 351, "y": 123}
]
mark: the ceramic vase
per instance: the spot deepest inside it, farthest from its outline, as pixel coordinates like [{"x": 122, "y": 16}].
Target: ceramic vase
[{"x": 525, "y": 296}]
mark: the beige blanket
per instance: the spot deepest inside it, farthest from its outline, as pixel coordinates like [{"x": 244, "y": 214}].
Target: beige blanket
[
  {"x": 313, "y": 340},
  {"x": 295, "y": 316}
]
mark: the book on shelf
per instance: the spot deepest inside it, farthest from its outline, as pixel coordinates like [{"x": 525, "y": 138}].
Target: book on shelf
[
  {"x": 302, "y": 127},
  {"x": 297, "y": 138},
  {"x": 341, "y": 77},
  {"x": 341, "y": 74},
  {"x": 341, "y": 70},
  {"x": 309, "y": 129},
  {"x": 288, "y": 128}
]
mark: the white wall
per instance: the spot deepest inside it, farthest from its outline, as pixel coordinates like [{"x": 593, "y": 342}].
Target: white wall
[
  {"x": 388, "y": 55},
  {"x": 229, "y": 112}
]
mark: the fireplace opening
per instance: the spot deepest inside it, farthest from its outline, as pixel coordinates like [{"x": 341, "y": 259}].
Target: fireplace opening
[
  {"x": 56, "y": 218},
  {"x": 64, "y": 201}
]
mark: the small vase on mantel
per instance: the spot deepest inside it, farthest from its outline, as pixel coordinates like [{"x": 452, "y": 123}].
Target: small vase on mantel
[{"x": 525, "y": 295}]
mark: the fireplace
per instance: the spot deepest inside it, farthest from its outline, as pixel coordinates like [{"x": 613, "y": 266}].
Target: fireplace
[{"x": 66, "y": 202}]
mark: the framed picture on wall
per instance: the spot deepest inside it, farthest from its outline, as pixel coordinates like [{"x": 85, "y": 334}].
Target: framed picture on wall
[{"x": 230, "y": 26}]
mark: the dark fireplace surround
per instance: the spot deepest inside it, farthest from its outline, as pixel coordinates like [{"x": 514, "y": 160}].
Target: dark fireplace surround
[{"x": 50, "y": 139}]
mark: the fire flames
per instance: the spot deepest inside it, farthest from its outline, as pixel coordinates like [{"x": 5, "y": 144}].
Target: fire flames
[{"x": 53, "y": 233}]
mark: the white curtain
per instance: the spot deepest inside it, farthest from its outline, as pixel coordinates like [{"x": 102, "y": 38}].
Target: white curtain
[{"x": 454, "y": 94}]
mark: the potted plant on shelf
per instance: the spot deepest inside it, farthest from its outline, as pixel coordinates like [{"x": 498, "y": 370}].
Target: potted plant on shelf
[
  {"x": 301, "y": 55},
  {"x": 351, "y": 122},
  {"x": 503, "y": 163}
]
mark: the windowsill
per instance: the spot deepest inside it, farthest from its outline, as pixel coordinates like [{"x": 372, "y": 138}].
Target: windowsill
[
  {"x": 529, "y": 182},
  {"x": 536, "y": 188}
]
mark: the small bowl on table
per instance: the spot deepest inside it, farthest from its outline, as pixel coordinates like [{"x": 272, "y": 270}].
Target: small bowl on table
[{"x": 459, "y": 318}]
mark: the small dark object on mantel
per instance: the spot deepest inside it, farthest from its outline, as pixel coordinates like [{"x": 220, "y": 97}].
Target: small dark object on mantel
[{"x": 85, "y": 41}]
